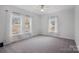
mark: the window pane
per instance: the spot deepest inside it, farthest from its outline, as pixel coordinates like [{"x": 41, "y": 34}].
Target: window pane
[
  {"x": 52, "y": 26},
  {"x": 27, "y": 24},
  {"x": 15, "y": 24}
]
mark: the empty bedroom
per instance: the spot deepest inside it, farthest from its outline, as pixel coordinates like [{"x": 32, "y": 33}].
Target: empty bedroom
[{"x": 39, "y": 28}]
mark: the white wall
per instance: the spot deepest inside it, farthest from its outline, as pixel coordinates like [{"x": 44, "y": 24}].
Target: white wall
[
  {"x": 65, "y": 24},
  {"x": 6, "y": 15},
  {"x": 77, "y": 26},
  {"x": 2, "y": 25}
]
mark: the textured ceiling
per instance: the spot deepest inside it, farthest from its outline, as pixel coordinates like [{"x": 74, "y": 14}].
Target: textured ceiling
[{"x": 47, "y": 8}]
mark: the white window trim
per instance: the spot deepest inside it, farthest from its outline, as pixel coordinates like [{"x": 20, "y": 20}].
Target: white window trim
[
  {"x": 11, "y": 15},
  {"x": 22, "y": 31},
  {"x": 30, "y": 20},
  {"x": 56, "y": 24}
]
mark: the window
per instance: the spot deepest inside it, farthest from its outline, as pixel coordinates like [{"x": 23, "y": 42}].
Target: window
[
  {"x": 27, "y": 26},
  {"x": 15, "y": 23},
  {"x": 17, "y": 26},
  {"x": 52, "y": 27}
]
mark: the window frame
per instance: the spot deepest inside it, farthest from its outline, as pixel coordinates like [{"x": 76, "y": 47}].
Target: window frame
[
  {"x": 30, "y": 20},
  {"x": 11, "y": 34},
  {"x": 56, "y": 24},
  {"x": 22, "y": 31}
]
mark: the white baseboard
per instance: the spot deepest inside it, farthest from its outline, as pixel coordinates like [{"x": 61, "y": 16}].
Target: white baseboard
[{"x": 55, "y": 36}]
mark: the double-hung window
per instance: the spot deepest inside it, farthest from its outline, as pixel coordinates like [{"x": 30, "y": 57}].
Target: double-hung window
[
  {"x": 52, "y": 27},
  {"x": 27, "y": 24},
  {"x": 17, "y": 26}
]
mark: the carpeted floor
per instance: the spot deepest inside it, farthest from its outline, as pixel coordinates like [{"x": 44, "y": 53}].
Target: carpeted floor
[{"x": 41, "y": 44}]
